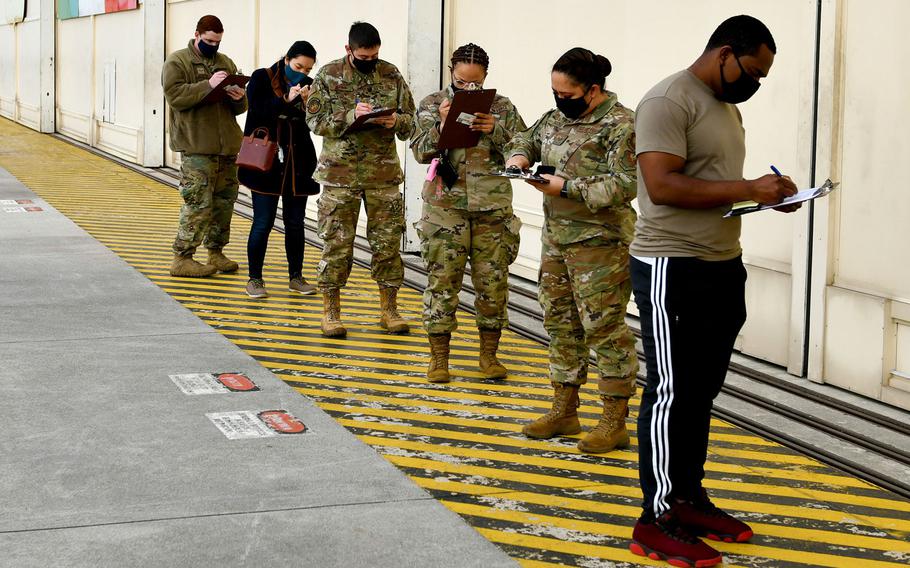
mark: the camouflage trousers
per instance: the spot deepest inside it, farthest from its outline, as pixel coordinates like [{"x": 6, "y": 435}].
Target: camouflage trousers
[
  {"x": 208, "y": 185},
  {"x": 584, "y": 288},
  {"x": 338, "y": 211},
  {"x": 449, "y": 238}
]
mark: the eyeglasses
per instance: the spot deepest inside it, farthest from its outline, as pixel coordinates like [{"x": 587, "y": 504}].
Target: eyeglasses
[{"x": 467, "y": 85}]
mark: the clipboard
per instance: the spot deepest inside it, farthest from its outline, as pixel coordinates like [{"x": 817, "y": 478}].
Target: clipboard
[
  {"x": 456, "y": 131},
  {"x": 804, "y": 195},
  {"x": 361, "y": 122},
  {"x": 218, "y": 94}
]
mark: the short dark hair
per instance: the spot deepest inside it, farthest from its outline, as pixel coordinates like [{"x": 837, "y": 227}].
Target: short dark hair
[
  {"x": 744, "y": 34},
  {"x": 299, "y": 48},
  {"x": 584, "y": 67},
  {"x": 209, "y": 23},
  {"x": 363, "y": 34}
]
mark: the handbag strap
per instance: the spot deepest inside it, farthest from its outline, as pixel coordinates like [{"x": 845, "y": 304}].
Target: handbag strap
[{"x": 261, "y": 129}]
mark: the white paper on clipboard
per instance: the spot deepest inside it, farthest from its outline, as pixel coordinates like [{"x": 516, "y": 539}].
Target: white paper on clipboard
[{"x": 801, "y": 196}]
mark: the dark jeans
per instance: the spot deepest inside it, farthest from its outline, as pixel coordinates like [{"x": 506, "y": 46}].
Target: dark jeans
[
  {"x": 264, "y": 209},
  {"x": 691, "y": 312}
]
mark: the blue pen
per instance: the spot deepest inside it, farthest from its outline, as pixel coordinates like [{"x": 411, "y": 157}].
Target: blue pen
[{"x": 776, "y": 171}]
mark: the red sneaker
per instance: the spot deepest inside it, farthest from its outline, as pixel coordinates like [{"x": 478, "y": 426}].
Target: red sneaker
[
  {"x": 702, "y": 517},
  {"x": 665, "y": 539}
]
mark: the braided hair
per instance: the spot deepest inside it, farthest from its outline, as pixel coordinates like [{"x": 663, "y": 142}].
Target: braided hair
[{"x": 471, "y": 53}]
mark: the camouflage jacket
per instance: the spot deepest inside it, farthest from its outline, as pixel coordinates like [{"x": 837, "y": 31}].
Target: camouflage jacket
[
  {"x": 474, "y": 191},
  {"x": 596, "y": 154},
  {"x": 366, "y": 158},
  {"x": 194, "y": 128}
]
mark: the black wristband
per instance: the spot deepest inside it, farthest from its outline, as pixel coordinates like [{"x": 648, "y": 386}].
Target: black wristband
[{"x": 563, "y": 192}]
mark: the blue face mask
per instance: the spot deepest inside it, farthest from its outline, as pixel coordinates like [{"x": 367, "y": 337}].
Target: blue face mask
[
  {"x": 296, "y": 77},
  {"x": 207, "y": 50}
]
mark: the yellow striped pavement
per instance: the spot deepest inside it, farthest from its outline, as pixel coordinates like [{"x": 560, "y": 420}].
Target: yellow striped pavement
[{"x": 543, "y": 502}]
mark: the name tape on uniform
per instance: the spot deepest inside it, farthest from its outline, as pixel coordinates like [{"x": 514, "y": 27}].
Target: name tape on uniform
[
  {"x": 213, "y": 383},
  {"x": 248, "y": 424}
]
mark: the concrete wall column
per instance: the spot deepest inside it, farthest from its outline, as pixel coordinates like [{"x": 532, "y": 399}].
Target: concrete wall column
[
  {"x": 425, "y": 60},
  {"x": 153, "y": 114},
  {"x": 47, "y": 70}
]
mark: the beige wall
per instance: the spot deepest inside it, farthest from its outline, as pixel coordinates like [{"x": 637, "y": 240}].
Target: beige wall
[
  {"x": 19, "y": 60},
  {"x": 860, "y": 289},
  {"x": 91, "y": 52},
  {"x": 866, "y": 343}
]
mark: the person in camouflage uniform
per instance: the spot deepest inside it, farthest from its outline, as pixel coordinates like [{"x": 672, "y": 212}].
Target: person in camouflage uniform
[
  {"x": 584, "y": 282},
  {"x": 473, "y": 219},
  {"x": 357, "y": 166},
  {"x": 208, "y": 136}
]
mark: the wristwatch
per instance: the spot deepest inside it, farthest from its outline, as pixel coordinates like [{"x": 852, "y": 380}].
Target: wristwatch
[{"x": 563, "y": 191}]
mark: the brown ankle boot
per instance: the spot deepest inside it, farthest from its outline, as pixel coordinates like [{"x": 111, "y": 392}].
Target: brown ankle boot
[
  {"x": 331, "y": 313},
  {"x": 489, "y": 344},
  {"x": 562, "y": 418},
  {"x": 438, "y": 372},
  {"x": 221, "y": 262},
  {"x": 610, "y": 432},
  {"x": 189, "y": 268},
  {"x": 390, "y": 319}
]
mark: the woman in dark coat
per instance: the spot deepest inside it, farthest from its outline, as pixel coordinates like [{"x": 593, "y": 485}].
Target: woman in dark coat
[{"x": 277, "y": 98}]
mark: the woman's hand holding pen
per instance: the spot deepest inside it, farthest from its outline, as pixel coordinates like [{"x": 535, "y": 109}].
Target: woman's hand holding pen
[
  {"x": 444, "y": 107},
  {"x": 293, "y": 93},
  {"x": 362, "y": 109}
]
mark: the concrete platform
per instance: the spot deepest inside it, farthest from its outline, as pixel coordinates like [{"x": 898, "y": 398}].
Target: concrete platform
[{"x": 105, "y": 462}]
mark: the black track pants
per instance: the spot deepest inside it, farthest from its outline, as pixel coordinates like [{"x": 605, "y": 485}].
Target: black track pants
[{"x": 691, "y": 312}]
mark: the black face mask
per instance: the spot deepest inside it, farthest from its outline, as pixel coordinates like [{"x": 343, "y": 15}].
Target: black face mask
[
  {"x": 572, "y": 108},
  {"x": 207, "y": 50},
  {"x": 365, "y": 66},
  {"x": 739, "y": 90}
]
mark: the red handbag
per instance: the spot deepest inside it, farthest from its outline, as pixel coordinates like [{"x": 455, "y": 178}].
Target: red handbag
[{"x": 257, "y": 153}]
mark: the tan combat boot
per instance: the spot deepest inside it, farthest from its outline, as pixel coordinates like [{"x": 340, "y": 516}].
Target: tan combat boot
[
  {"x": 187, "y": 267},
  {"x": 438, "y": 372},
  {"x": 331, "y": 313},
  {"x": 489, "y": 344},
  {"x": 610, "y": 431},
  {"x": 390, "y": 319},
  {"x": 562, "y": 418},
  {"x": 221, "y": 262}
]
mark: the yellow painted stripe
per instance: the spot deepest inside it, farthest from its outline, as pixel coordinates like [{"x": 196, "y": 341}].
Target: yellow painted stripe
[
  {"x": 483, "y": 410},
  {"x": 575, "y": 548},
  {"x": 744, "y": 506},
  {"x": 764, "y": 529},
  {"x": 549, "y": 446},
  {"x": 623, "y": 472},
  {"x": 533, "y": 519}
]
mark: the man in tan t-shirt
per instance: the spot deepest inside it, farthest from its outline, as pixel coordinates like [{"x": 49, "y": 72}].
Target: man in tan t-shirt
[{"x": 689, "y": 280}]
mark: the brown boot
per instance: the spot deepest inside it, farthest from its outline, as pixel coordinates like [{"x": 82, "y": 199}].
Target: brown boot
[
  {"x": 438, "y": 372},
  {"x": 489, "y": 344},
  {"x": 562, "y": 418},
  {"x": 221, "y": 262},
  {"x": 390, "y": 319},
  {"x": 610, "y": 431},
  {"x": 186, "y": 266},
  {"x": 331, "y": 313}
]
